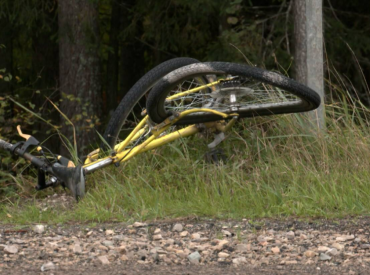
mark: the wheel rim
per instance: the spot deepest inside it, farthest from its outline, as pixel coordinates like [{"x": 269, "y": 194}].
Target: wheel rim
[{"x": 230, "y": 94}]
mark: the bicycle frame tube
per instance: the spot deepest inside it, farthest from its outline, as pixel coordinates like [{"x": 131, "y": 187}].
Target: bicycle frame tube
[
  {"x": 149, "y": 144},
  {"x": 95, "y": 154},
  {"x": 152, "y": 142}
]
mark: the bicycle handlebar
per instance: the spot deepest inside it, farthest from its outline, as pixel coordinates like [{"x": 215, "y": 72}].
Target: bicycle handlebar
[
  {"x": 73, "y": 178},
  {"x": 5, "y": 145}
]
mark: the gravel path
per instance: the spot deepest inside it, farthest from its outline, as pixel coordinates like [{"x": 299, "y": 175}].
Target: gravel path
[{"x": 189, "y": 247}]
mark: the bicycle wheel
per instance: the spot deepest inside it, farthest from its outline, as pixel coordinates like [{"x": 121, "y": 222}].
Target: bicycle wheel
[
  {"x": 141, "y": 87},
  {"x": 234, "y": 88}
]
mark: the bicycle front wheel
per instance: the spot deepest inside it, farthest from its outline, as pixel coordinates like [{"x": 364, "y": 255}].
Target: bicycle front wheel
[
  {"x": 114, "y": 132},
  {"x": 231, "y": 88}
]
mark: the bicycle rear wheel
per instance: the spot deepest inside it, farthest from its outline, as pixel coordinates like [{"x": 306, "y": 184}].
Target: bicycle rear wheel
[
  {"x": 233, "y": 88},
  {"x": 113, "y": 133}
]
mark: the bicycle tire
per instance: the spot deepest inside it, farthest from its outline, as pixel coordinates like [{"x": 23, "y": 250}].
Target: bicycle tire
[
  {"x": 305, "y": 98},
  {"x": 140, "y": 88}
]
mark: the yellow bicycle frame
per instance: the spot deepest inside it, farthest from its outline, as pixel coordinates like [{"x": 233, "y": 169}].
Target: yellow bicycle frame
[{"x": 121, "y": 154}]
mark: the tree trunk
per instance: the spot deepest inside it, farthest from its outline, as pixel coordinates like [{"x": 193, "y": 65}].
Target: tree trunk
[
  {"x": 79, "y": 72},
  {"x": 308, "y": 51}
]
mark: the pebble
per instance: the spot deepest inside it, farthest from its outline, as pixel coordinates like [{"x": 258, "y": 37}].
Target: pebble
[
  {"x": 177, "y": 227},
  {"x": 291, "y": 262},
  {"x": 122, "y": 249},
  {"x": 243, "y": 247},
  {"x": 139, "y": 224},
  {"x": 323, "y": 248},
  {"x": 195, "y": 236},
  {"x": 275, "y": 250},
  {"x": 309, "y": 254},
  {"x": 11, "y": 249},
  {"x": 239, "y": 260},
  {"x": 226, "y": 233},
  {"x": 223, "y": 255},
  {"x": 157, "y": 237},
  {"x": 109, "y": 232},
  {"x": 269, "y": 239},
  {"x": 221, "y": 244},
  {"x": 332, "y": 251},
  {"x": 118, "y": 237},
  {"x": 103, "y": 260},
  {"x": 107, "y": 243},
  {"x": 194, "y": 257},
  {"x": 77, "y": 249},
  {"x": 261, "y": 239},
  {"x": 290, "y": 235},
  {"x": 324, "y": 257},
  {"x": 39, "y": 229},
  {"x": 338, "y": 246},
  {"x": 48, "y": 266},
  {"x": 124, "y": 258},
  {"x": 350, "y": 237},
  {"x": 184, "y": 234},
  {"x": 341, "y": 239}
]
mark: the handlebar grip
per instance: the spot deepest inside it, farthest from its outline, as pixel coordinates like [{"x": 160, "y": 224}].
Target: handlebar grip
[{"x": 5, "y": 145}]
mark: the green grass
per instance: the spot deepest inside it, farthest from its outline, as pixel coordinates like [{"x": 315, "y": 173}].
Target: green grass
[{"x": 277, "y": 167}]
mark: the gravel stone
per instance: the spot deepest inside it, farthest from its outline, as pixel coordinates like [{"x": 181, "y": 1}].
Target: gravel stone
[
  {"x": 109, "y": 232},
  {"x": 177, "y": 227},
  {"x": 275, "y": 250},
  {"x": 332, "y": 252},
  {"x": 118, "y": 237},
  {"x": 103, "y": 260},
  {"x": 139, "y": 224},
  {"x": 323, "y": 248},
  {"x": 48, "y": 266},
  {"x": 338, "y": 246},
  {"x": 223, "y": 255},
  {"x": 240, "y": 260},
  {"x": 107, "y": 243},
  {"x": 309, "y": 254},
  {"x": 324, "y": 257},
  {"x": 39, "y": 229},
  {"x": 290, "y": 235},
  {"x": 77, "y": 249},
  {"x": 157, "y": 237},
  {"x": 243, "y": 248},
  {"x": 11, "y": 249},
  {"x": 194, "y": 257}
]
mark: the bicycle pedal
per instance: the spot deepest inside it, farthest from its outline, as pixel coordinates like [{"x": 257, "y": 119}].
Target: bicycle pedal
[
  {"x": 218, "y": 139},
  {"x": 216, "y": 156}
]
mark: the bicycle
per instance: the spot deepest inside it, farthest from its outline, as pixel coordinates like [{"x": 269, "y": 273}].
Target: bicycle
[{"x": 183, "y": 93}]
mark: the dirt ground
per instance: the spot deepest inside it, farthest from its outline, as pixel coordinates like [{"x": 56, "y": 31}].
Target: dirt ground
[{"x": 191, "y": 246}]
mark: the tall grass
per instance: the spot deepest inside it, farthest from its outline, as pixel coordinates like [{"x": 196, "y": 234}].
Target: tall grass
[{"x": 277, "y": 166}]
